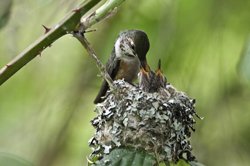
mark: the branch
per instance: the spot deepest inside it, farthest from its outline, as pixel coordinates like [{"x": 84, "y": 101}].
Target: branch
[
  {"x": 101, "y": 13},
  {"x": 91, "y": 51},
  {"x": 66, "y": 25},
  {"x": 69, "y": 24}
]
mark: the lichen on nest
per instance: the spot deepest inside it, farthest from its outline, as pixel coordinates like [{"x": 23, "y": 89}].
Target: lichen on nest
[{"x": 159, "y": 123}]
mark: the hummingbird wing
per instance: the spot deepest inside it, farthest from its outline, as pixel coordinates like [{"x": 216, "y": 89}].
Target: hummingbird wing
[{"x": 112, "y": 67}]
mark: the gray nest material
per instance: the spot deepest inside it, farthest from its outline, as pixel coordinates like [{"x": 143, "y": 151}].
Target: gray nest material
[{"x": 159, "y": 123}]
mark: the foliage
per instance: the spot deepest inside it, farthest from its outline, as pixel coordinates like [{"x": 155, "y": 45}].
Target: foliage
[{"x": 126, "y": 157}]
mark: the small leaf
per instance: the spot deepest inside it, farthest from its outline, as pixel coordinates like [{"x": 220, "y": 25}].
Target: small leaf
[
  {"x": 127, "y": 157},
  {"x": 12, "y": 160},
  {"x": 184, "y": 163},
  {"x": 181, "y": 163},
  {"x": 243, "y": 65},
  {"x": 193, "y": 163}
]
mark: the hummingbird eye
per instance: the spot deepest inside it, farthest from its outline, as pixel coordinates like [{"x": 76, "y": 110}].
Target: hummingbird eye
[{"x": 133, "y": 46}]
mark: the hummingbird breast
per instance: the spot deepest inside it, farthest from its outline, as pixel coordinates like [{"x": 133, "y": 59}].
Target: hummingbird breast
[{"x": 128, "y": 69}]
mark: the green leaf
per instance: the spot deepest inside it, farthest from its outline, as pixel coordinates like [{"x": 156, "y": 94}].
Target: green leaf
[
  {"x": 243, "y": 65},
  {"x": 127, "y": 157},
  {"x": 193, "y": 163},
  {"x": 12, "y": 160},
  {"x": 180, "y": 163},
  {"x": 184, "y": 163}
]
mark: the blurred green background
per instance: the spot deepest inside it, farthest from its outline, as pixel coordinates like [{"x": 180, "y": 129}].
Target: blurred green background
[{"x": 46, "y": 108}]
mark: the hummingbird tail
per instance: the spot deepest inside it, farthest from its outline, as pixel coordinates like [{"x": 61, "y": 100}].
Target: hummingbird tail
[{"x": 101, "y": 93}]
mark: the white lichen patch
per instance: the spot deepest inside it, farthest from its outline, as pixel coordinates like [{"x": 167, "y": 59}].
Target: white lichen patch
[{"x": 160, "y": 123}]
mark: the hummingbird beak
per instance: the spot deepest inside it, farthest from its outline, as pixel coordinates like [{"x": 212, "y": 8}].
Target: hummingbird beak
[
  {"x": 134, "y": 53},
  {"x": 158, "y": 72},
  {"x": 144, "y": 73}
]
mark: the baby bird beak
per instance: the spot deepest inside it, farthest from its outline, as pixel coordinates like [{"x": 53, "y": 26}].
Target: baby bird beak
[{"x": 161, "y": 79}]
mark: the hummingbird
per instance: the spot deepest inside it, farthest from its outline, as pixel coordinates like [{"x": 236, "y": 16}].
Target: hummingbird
[{"x": 128, "y": 54}]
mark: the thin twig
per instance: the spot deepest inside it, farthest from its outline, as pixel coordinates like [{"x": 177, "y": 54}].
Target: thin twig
[{"x": 80, "y": 36}]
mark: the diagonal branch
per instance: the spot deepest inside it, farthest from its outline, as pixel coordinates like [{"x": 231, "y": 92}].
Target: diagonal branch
[
  {"x": 69, "y": 24},
  {"x": 66, "y": 25}
]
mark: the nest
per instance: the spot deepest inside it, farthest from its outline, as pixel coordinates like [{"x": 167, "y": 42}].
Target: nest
[{"x": 160, "y": 123}]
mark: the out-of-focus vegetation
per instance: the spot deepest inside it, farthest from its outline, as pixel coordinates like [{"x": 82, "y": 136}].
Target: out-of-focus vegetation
[{"x": 46, "y": 107}]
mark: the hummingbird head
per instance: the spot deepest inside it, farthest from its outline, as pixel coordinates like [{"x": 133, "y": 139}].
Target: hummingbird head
[{"x": 132, "y": 44}]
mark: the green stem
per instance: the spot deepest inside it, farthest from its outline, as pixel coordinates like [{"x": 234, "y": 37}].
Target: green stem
[
  {"x": 68, "y": 24},
  {"x": 101, "y": 13}
]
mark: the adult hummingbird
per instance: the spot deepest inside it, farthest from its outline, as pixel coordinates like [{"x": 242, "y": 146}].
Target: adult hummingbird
[{"x": 128, "y": 54}]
